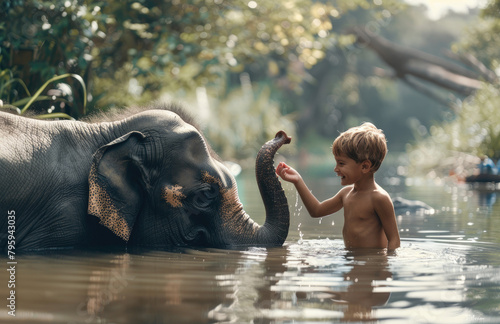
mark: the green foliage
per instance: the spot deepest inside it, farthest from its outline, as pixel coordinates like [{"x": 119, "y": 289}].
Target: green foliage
[
  {"x": 56, "y": 78},
  {"x": 474, "y": 132},
  {"x": 133, "y": 51},
  {"x": 45, "y": 38},
  {"x": 153, "y": 40},
  {"x": 7, "y": 82},
  {"x": 482, "y": 42},
  {"x": 483, "y": 39},
  {"x": 346, "y": 88},
  {"x": 43, "y": 42},
  {"x": 186, "y": 44},
  {"x": 167, "y": 46},
  {"x": 239, "y": 133}
]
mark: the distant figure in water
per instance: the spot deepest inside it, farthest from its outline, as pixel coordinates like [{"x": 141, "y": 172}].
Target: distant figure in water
[
  {"x": 487, "y": 166},
  {"x": 369, "y": 218}
]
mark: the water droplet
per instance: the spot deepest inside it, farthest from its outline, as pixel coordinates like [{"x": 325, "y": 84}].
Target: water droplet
[{"x": 301, "y": 235}]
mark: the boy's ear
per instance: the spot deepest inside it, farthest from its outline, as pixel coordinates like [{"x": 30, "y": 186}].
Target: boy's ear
[{"x": 366, "y": 166}]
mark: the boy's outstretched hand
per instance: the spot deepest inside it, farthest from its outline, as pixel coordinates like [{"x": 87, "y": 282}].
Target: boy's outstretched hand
[{"x": 287, "y": 173}]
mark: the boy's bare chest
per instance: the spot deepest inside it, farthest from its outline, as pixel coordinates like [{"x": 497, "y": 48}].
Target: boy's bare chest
[{"x": 358, "y": 205}]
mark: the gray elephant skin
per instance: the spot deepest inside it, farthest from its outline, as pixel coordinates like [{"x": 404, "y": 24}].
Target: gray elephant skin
[{"x": 149, "y": 180}]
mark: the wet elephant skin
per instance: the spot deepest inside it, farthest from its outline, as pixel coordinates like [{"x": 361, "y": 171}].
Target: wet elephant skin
[{"x": 149, "y": 179}]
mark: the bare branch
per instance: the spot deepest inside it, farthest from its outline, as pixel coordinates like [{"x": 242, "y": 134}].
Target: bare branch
[
  {"x": 442, "y": 77},
  {"x": 450, "y": 103},
  {"x": 411, "y": 62},
  {"x": 470, "y": 60}
]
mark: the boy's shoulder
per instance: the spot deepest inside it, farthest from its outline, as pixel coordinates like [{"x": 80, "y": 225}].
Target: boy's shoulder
[
  {"x": 379, "y": 190},
  {"x": 379, "y": 194},
  {"x": 345, "y": 190}
]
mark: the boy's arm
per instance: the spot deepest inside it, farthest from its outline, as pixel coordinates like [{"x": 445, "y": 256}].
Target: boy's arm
[
  {"x": 385, "y": 211},
  {"x": 312, "y": 204}
]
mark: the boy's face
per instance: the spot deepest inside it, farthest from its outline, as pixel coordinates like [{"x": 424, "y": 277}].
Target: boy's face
[{"x": 347, "y": 169}]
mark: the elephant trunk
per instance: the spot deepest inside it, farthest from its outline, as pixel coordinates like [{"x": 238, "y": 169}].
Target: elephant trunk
[{"x": 275, "y": 229}]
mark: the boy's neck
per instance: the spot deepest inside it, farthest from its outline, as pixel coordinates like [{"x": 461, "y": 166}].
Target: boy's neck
[{"x": 366, "y": 182}]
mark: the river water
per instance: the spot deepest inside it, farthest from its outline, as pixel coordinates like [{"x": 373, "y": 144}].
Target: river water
[{"x": 446, "y": 271}]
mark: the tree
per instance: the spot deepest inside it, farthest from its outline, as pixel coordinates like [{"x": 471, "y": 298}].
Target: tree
[
  {"x": 164, "y": 45},
  {"x": 482, "y": 40},
  {"x": 474, "y": 132},
  {"x": 408, "y": 64},
  {"x": 342, "y": 90}
]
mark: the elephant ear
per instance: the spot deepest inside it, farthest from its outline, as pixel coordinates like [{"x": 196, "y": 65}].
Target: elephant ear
[{"x": 114, "y": 185}]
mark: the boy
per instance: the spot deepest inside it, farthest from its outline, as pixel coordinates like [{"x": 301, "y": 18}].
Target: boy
[{"x": 369, "y": 218}]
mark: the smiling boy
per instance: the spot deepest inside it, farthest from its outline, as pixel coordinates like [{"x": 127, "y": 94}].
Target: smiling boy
[{"x": 369, "y": 218}]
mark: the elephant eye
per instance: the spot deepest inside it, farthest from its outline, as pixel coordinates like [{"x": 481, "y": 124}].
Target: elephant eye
[{"x": 205, "y": 196}]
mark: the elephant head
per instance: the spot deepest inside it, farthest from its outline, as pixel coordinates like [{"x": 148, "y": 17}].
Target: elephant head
[{"x": 165, "y": 187}]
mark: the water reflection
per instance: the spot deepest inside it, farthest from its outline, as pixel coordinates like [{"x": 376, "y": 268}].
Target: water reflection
[
  {"x": 315, "y": 280},
  {"x": 83, "y": 287},
  {"x": 319, "y": 281},
  {"x": 369, "y": 271},
  {"x": 487, "y": 199},
  {"x": 105, "y": 286},
  {"x": 358, "y": 293},
  {"x": 317, "y": 284}
]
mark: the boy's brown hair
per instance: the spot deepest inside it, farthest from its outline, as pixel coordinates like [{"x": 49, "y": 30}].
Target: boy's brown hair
[{"x": 365, "y": 142}]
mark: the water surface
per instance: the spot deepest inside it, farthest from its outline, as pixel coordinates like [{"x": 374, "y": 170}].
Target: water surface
[{"x": 446, "y": 271}]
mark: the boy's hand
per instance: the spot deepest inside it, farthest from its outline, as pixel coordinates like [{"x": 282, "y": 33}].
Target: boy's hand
[{"x": 287, "y": 173}]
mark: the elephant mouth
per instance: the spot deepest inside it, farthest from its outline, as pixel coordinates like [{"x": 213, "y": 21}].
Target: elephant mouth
[{"x": 198, "y": 235}]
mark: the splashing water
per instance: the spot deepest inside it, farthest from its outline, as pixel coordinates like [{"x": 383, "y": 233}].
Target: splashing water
[
  {"x": 301, "y": 235},
  {"x": 298, "y": 208}
]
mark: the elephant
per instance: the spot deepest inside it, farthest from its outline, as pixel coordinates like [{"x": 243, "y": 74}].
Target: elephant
[{"x": 147, "y": 180}]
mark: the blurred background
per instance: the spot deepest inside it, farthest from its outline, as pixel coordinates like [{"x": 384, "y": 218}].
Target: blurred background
[{"x": 423, "y": 71}]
